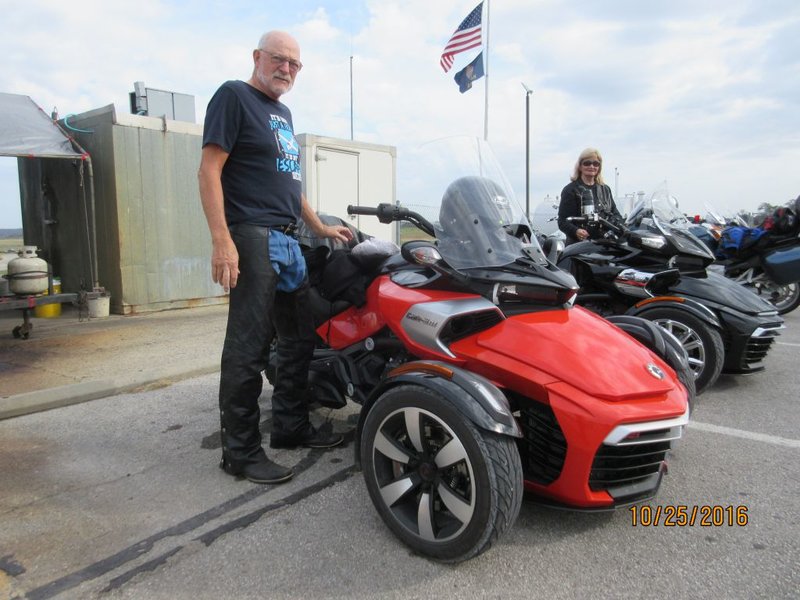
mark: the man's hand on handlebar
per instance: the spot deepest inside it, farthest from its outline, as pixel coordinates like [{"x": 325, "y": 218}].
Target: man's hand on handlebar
[{"x": 340, "y": 233}]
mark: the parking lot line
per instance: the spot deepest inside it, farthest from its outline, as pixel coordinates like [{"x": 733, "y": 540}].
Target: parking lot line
[{"x": 748, "y": 435}]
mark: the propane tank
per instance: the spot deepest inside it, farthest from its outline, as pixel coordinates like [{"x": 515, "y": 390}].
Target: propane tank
[
  {"x": 27, "y": 274},
  {"x": 5, "y": 258}
]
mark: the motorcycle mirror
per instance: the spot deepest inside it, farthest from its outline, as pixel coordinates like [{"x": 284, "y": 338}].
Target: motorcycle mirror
[
  {"x": 420, "y": 253},
  {"x": 553, "y": 247}
]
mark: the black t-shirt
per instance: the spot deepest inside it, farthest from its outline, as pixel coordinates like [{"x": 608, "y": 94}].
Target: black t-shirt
[{"x": 261, "y": 179}]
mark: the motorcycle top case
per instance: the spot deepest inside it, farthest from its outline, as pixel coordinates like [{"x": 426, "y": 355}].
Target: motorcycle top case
[{"x": 783, "y": 266}]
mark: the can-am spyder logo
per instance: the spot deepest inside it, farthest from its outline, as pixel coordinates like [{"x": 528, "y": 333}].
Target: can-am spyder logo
[{"x": 423, "y": 320}]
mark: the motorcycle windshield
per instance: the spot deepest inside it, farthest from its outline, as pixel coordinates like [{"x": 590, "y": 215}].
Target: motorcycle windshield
[
  {"x": 722, "y": 219},
  {"x": 660, "y": 214},
  {"x": 684, "y": 240},
  {"x": 477, "y": 221},
  {"x": 713, "y": 216},
  {"x": 660, "y": 205}
]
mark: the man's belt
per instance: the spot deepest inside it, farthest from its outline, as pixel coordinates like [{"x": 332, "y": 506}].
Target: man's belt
[{"x": 288, "y": 229}]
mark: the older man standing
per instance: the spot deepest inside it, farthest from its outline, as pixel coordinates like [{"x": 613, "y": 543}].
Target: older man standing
[{"x": 250, "y": 187}]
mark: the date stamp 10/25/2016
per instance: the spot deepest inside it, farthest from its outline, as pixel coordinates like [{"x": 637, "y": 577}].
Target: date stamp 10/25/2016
[{"x": 682, "y": 515}]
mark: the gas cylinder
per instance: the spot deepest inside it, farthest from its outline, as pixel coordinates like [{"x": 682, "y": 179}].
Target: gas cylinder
[
  {"x": 27, "y": 274},
  {"x": 5, "y": 258}
]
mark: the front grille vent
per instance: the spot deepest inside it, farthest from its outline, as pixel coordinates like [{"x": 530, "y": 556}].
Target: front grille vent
[
  {"x": 758, "y": 347},
  {"x": 543, "y": 447},
  {"x": 468, "y": 324},
  {"x": 628, "y": 464}
]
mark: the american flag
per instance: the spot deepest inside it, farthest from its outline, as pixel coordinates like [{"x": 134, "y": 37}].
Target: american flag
[{"x": 467, "y": 36}]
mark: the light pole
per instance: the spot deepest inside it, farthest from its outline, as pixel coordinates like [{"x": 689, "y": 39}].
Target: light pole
[{"x": 528, "y": 93}]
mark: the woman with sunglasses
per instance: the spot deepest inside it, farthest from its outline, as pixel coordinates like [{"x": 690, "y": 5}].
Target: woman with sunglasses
[{"x": 586, "y": 181}]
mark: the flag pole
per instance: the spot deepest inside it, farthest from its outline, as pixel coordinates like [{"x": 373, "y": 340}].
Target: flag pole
[
  {"x": 351, "y": 96},
  {"x": 486, "y": 80}
]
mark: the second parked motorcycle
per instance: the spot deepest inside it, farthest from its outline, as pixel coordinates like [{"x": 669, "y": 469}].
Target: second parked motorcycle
[{"x": 648, "y": 268}]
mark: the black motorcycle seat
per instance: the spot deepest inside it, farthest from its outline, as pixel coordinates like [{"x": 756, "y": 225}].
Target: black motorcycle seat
[{"x": 322, "y": 309}]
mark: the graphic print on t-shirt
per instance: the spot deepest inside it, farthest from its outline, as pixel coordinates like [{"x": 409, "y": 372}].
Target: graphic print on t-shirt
[{"x": 289, "y": 160}]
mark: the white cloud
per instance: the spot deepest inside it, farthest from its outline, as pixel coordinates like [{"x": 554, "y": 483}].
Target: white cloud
[{"x": 703, "y": 95}]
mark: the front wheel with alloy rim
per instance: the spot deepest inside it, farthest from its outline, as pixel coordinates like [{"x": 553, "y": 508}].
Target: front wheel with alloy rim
[
  {"x": 783, "y": 297},
  {"x": 703, "y": 343},
  {"x": 445, "y": 487}
]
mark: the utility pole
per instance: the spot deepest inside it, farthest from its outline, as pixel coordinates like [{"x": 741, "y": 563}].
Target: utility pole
[{"x": 528, "y": 93}]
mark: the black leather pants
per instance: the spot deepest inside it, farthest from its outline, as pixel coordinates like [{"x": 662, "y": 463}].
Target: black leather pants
[{"x": 257, "y": 311}]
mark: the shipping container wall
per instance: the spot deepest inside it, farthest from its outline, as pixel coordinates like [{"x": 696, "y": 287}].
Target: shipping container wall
[
  {"x": 339, "y": 172},
  {"x": 153, "y": 242}
]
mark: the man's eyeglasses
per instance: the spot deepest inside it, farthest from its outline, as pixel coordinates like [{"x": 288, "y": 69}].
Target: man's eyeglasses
[
  {"x": 278, "y": 60},
  {"x": 591, "y": 163}
]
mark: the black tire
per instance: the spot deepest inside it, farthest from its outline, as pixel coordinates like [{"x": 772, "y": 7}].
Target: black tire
[
  {"x": 703, "y": 343},
  {"x": 450, "y": 511},
  {"x": 676, "y": 357},
  {"x": 21, "y": 331},
  {"x": 783, "y": 297}
]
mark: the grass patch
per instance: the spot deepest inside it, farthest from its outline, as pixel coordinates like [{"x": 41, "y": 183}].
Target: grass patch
[
  {"x": 7, "y": 244},
  {"x": 409, "y": 232}
]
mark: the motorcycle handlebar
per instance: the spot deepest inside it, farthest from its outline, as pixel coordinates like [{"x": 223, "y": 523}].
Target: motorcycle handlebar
[
  {"x": 361, "y": 210},
  {"x": 387, "y": 213},
  {"x": 618, "y": 229}
]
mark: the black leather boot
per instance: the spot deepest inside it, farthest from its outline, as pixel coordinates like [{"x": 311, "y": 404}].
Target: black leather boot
[
  {"x": 264, "y": 471},
  {"x": 310, "y": 438}
]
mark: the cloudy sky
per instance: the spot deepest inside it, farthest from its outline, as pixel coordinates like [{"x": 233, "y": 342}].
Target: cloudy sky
[{"x": 704, "y": 95}]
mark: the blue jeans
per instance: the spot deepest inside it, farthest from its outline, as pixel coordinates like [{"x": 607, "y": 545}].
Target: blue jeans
[{"x": 287, "y": 261}]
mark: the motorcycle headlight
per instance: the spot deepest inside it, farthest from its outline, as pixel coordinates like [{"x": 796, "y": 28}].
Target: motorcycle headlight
[
  {"x": 639, "y": 239},
  {"x": 654, "y": 241},
  {"x": 533, "y": 294}
]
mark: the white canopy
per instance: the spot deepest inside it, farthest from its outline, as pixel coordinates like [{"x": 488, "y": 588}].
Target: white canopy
[{"x": 25, "y": 130}]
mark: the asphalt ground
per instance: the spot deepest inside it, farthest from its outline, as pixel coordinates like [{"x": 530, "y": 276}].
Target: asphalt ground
[
  {"x": 72, "y": 358},
  {"x": 121, "y": 497}
]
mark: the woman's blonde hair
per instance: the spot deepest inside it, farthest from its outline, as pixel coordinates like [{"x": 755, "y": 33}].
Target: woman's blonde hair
[{"x": 589, "y": 153}]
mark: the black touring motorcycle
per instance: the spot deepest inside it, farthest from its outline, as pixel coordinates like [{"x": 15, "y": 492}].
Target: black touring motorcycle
[{"x": 651, "y": 268}]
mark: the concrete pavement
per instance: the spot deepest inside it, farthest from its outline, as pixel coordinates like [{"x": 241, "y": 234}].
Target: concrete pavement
[
  {"x": 121, "y": 497},
  {"x": 72, "y": 358}
]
